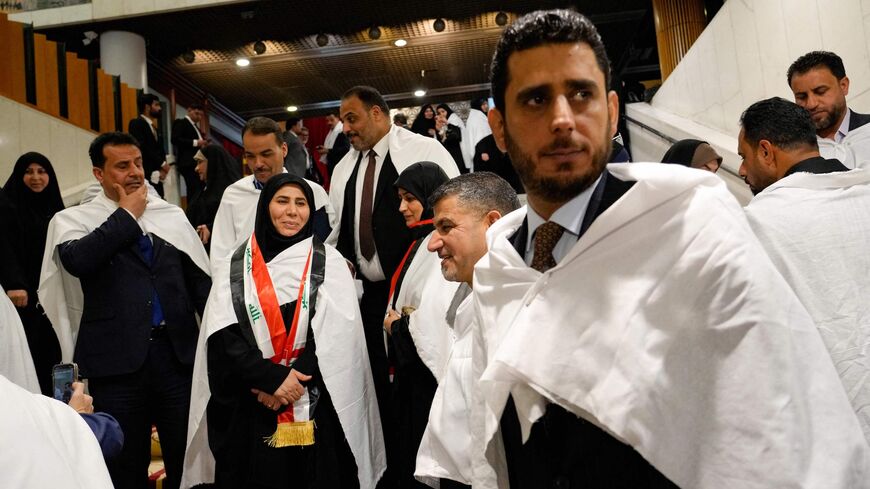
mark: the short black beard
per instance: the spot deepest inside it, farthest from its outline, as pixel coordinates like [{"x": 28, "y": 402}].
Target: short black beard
[
  {"x": 556, "y": 190},
  {"x": 829, "y": 122}
]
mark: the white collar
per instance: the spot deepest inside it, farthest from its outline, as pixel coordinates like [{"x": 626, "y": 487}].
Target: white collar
[
  {"x": 147, "y": 119},
  {"x": 844, "y": 127},
  {"x": 569, "y": 216},
  {"x": 382, "y": 147}
]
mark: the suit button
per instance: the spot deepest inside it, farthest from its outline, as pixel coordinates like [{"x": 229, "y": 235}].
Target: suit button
[
  {"x": 561, "y": 483},
  {"x": 148, "y": 303}
]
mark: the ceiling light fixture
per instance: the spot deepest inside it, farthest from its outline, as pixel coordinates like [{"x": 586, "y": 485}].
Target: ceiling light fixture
[
  {"x": 375, "y": 33},
  {"x": 420, "y": 93},
  {"x": 292, "y": 108},
  {"x": 322, "y": 40},
  {"x": 439, "y": 25},
  {"x": 400, "y": 43},
  {"x": 189, "y": 56},
  {"x": 259, "y": 47},
  {"x": 243, "y": 62},
  {"x": 501, "y": 18}
]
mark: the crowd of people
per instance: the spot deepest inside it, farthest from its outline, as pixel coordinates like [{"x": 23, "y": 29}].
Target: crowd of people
[{"x": 387, "y": 314}]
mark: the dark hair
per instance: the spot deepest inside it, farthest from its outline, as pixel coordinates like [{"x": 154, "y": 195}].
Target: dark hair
[
  {"x": 483, "y": 191},
  {"x": 260, "y": 126},
  {"x": 95, "y": 151},
  {"x": 446, "y": 109},
  {"x": 540, "y": 28},
  {"x": 146, "y": 99},
  {"x": 369, "y": 96},
  {"x": 195, "y": 106},
  {"x": 292, "y": 122},
  {"x": 785, "y": 124},
  {"x": 476, "y": 103},
  {"x": 817, "y": 59},
  {"x": 400, "y": 118}
]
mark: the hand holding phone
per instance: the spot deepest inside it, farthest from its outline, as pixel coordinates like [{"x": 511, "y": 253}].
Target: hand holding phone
[{"x": 63, "y": 376}]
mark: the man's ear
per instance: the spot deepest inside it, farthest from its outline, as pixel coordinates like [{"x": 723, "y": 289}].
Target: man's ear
[
  {"x": 613, "y": 111},
  {"x": 767, "y": 154},
  {"x": 284, "y": 150},
  {"x": 492, "y": 216},
  {"x": 98, "y": 173},
  {"x": 844, "y": 85},
  {"x": 496, "y": 123}
]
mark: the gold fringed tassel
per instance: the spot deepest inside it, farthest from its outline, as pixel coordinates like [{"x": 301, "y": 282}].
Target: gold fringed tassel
[{"x": 296, "y": 434}]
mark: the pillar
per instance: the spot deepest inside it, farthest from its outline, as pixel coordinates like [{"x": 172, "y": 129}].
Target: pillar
[
  {"x": 678, "y": 25},
  {"x": 123, "y": 53}
]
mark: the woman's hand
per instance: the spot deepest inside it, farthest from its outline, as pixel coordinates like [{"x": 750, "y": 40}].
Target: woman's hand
[
  {"x": 391, "y": 317},
  {"x": 291, "y": 389},
  {"x": 268, "y": 400},
  {"x": 18, "y": 297},
  {"x": 204, "y": 233}
]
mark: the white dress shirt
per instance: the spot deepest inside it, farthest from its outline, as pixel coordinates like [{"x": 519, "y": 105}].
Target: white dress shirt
[{"x": 370, "y": 269}]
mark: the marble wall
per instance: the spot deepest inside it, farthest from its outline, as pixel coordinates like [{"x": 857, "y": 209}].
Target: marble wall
[{"x": 24, "y": 129}]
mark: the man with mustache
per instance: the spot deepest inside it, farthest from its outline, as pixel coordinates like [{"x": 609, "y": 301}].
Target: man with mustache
[
  {"x": 631, "y": 331},
  {"x": 122, "y": 276},
  {"x": 820, "y": 85},
  {"x": 371, "y": 232},
  {"x": 265, "y": 151}
]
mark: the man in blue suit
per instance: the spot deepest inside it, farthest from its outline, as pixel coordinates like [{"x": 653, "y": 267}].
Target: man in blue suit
[{"x": 142, "y": 274}]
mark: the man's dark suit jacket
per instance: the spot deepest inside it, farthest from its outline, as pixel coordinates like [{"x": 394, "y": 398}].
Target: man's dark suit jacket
[
  {"x": 391, "y": 234},
  {"x": 183, "y": 135},
  {"x": 295, "y": 162},
  {"x": 118, "y": 287},
  {"x": 564, "y": 450},
  {"x": 153, "y": 155},
  {"x": 857, "y": 120}
]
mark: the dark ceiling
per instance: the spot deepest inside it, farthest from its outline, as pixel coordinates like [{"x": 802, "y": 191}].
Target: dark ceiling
[{"x": 294, "y": 70}]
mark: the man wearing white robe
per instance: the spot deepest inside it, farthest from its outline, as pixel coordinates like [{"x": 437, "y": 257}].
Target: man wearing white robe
[
  {"x": 465, "y": 208},
  {"x": 46, "y": 444},
  {"x": 16, "y": 364},
  {"x": 630, "y": 329},
  {"x": 476, "y": 128},
  {"x": 812, "y": 215},
  {"x": 264, "y": 154},
  {"x": 820, "y": 85},
  {"x": 375, "y": 241}
]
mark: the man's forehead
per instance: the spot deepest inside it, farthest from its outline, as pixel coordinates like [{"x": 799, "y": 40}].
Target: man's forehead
[{"x": 553, "y": 63}]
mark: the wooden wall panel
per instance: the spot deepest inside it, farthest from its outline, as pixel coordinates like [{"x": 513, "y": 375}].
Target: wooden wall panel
[
  {"x": 678, "y": 24},
  {"x": 128, "y": 104},
  {"x": 5, "y": 58},
  {"x": 15, "y": 44},
  {"x": 45, "y": 57},
  {"x": 78, "y": 95},
  {"x": 107, "y": 101}
]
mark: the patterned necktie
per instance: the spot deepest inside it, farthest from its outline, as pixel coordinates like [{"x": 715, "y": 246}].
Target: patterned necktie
[
  {"x": 546, "y": 237},
  {"x": 366, "y": 237},
  {"x": 147, "y": 250}
]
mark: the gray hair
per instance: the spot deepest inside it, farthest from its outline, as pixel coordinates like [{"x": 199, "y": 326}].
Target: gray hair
[{"x": 483, "y": 191}]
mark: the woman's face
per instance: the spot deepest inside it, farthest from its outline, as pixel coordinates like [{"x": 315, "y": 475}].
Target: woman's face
[
  {"x": 289, "y": 210},
  {"x": 35, "y": 177},
  {"x": 410, "y": 207},
  {"x": 427, "y": 113},
  {"x": 711, "y": 166},
  {"x": 201, "y": 169},
  {"x": 442, "y": 113}
]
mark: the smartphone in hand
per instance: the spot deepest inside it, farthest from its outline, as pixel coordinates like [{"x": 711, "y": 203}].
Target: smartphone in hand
[{"x": 62, "y": 376}]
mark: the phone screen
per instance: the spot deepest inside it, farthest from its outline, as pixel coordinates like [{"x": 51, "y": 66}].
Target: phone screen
[{"x": 63, "y": 376}]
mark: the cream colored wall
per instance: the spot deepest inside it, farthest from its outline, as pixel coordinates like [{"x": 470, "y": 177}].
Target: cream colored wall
[
  {"x": 99, "y": 10},
  {"x": 24, "y": 129}
]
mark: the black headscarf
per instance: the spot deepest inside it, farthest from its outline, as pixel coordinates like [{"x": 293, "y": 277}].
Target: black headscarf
[
  {"x": 33, "y": 211},
  {"x": 446, "y": 108},
  {"x": 683, "y": 153},
  {"x": 270, "y": 241},
  {"x": 421, "y": 124},
  {"x": 421, "y": 179},
  {"x": 223, "y": 170}
]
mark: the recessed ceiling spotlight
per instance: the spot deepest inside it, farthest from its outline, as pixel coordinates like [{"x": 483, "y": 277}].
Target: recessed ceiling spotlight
[
  {"x": 419, "y": 93},
  {"x": 322, "y": 40},
  {"x": 400, "y": 43},
  {"x": 189, "y": 56},
  {"x": 243, "y": 62},
  {"x": 439, "y": 25},
  {"x": 375, "y": 33},
  {"x": 501, "y": 18},
  {"x": 292, "y": 108},
  {"x": 259, "y": 47}
]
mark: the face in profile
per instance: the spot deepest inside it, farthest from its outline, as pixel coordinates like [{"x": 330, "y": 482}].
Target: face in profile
[
  {"x": 824, "y": 97},
  {"x": 123, "y": 166},
  {"x": 264, "y": 154},
  {"x": 359, "y": 123},
  {"x": 410, "y": 207},
  {"x": 459, "y": 237},
  {"x": 36, "y": 177},
  {"x": 558, "y": 119},
  {"x": 201, "y": 169},
  {"x": 289, "y": 210},
  {"x": 755, "y": 168}
]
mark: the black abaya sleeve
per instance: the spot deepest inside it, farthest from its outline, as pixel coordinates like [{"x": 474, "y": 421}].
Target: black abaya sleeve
[
  {"x": 234, "y": 362},
  {"x": 403, "y": 344}
]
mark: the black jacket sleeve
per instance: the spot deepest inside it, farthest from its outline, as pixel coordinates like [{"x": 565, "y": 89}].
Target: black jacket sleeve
[
  {"x": 198, "y": 283},
  {"x": 179, "y": 138},
  {"x": 86, "y": 255}
]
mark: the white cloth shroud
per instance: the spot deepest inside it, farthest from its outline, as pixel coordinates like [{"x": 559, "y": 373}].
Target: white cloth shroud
[
  {"x": 477, "y": 127},
  {"x": 853, "y": 151},
  {"x": 816, "y": 230},
  {"x": 16, "y": 364},
  {"x": 60, "y": 293},
  {"x": 668, "y": 327},
  {"x": 341, "y": 355}
]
